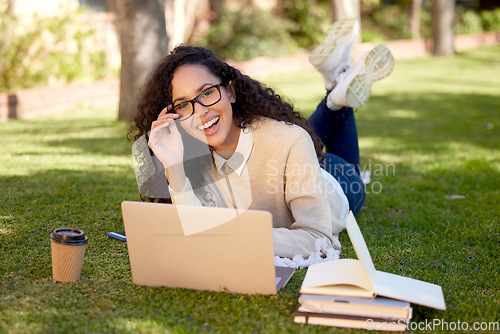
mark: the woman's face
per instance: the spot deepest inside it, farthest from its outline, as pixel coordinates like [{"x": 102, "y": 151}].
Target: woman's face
[{"x": 214, "y": 124}]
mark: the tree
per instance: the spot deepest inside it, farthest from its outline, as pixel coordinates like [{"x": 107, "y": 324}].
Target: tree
[
  {"x": 442, "y": 27},
  {"x": 416, "y": 10},
  {"x": 181, "y": 17},
  {"x": 344, "y": 9},
  {"x": 216, "y": 5},
  {"x": 143, "y": 39}
]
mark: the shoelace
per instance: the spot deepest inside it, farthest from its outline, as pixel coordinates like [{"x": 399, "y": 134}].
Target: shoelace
[{"x": 339, "y": 71}]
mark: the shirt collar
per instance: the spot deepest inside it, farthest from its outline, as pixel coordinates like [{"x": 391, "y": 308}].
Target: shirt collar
[{"x": 240, "y": 156}]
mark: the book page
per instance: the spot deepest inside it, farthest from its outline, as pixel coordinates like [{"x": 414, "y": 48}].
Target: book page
[
  {"x": 390, "y": 285},
  {"x": 408, "y": 289},
  {"x": 359, "y": 244},
  {"x": 347, "y": 321},
  {"x": 345, "y": 276}
]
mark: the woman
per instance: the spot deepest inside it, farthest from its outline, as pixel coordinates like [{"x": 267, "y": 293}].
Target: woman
[{"x": 226, "y": 140}]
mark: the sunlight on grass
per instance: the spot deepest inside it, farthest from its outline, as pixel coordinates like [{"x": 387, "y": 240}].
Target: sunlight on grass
[
  {"x": 78, "y": 139},
  {"x": 6, "y": 230},
  {"x": 138, "y": 325},
  {"x": 376, "y": 142},
  {"x": 462, "y": 74},
  {"x": 401, "y": 113},
  {"x": 304, "y": 88},
  {"x": 451, "y": 154}
]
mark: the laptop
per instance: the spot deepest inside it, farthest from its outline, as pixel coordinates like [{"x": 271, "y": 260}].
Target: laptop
[{"x": 203, "y": 248}]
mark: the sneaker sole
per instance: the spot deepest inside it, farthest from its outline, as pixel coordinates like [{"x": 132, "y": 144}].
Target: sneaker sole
[
  {"x": 379, "y": 63},
  {"x": 319, "y": 57}
]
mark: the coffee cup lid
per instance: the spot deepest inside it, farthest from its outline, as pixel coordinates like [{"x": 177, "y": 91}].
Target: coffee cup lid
[{"x": 69, "y": 236}]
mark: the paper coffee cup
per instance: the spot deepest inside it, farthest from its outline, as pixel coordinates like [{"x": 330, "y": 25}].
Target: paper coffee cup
[{"x": 68, "y": 248}]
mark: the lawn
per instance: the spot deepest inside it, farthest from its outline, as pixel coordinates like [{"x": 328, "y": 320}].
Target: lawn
[{"x": 430, "y": 135}]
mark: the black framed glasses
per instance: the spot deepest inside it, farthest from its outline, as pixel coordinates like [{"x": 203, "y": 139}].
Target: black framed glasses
[{"x": 208, "y": 97}]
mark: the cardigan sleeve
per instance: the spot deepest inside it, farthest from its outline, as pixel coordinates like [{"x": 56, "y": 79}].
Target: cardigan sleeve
[
  {"x": 315, "y": 212},
  {"x": 186, "y": 196},
  {"x": 207, "y": 195}
]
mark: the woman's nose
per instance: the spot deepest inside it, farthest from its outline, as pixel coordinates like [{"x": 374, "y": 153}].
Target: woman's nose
[{"x": 199, "y": 109}]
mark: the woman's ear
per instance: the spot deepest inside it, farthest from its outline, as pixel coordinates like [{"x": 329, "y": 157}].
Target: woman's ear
[{"x": 231, "y": 92}]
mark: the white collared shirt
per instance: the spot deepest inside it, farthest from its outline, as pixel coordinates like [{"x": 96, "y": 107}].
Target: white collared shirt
[
  {"x": 238, "y": 160},
  {"x": 235, "y": 181}
]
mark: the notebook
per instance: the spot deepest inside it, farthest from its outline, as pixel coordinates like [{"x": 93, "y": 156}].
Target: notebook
[
  {"x": 203, "y": 248},
  {"x": 359, "y": 278}
]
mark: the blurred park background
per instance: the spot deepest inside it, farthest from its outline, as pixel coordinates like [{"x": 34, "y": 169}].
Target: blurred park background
[{"x": 58, "y": 42}]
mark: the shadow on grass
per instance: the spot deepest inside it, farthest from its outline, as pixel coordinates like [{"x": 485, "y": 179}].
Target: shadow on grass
[
  {"x": 95, "y": 136},
  {"x": 116, "y": 144},
  {"x": 486, "y": 52},
  {"x": 33, "y": 206}
]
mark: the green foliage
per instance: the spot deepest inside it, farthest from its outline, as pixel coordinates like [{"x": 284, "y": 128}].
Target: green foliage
[
  {"x": 372, "y": 35},
  {"x": 371, "y": 3},
  {"x": 47, "y": 49},
  {"x": 393, "y": 21},
  {"x": 308, "y": 21},
  {"x": 473, "y": 22},
  {"x": 249, "y": 33},
  {"x": 426, "y": 22},
  {"x": 389, "y": 21},
  {"x": 468, "y": 22},
  {"x": 299, "y": 23},
  {"x": 491, "y": 20}
]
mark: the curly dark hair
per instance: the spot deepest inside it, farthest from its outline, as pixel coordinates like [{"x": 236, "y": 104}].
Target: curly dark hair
[{"x": 253, "y": 99}]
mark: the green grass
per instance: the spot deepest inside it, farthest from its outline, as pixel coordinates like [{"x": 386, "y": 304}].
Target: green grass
[{"x": 430, "y": 130}]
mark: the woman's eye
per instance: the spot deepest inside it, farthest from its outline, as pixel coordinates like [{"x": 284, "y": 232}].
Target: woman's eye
[
  {"x": 182, "y": 106},
  {"x": 206, "y": 93}
]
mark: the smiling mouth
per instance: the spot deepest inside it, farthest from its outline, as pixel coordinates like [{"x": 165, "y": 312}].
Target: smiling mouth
[{"x": 209, "y": 124}]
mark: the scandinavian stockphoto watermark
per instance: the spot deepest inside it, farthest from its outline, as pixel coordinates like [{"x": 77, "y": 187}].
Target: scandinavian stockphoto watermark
[
  {"x": 367, "y": 171},
  {"x": 345, "y": 174},
  {"x": 433, "y": 325}
]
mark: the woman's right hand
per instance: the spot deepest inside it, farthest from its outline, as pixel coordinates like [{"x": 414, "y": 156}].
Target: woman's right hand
[{"x": 165, "y": 139}]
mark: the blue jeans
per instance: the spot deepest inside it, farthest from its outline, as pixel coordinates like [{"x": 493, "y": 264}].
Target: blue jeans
[{"x": 337, "y": 130}]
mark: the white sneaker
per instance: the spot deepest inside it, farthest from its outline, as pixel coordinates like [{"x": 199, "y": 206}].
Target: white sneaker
[
  {"x": 334, "y": 55},
  {"x": 354, "y": 85}
]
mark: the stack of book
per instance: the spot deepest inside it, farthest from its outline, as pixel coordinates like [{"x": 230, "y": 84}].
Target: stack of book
[
  {"x": 353, "y": 312},
  {"x": 352, "y": 293}
]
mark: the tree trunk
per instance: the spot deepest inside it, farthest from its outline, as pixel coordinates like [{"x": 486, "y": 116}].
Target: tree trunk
[
  {"x": 216, "y": 5},
  {"x": 175, "y": 20},
  {"x": 181, "y": 17},
  {"x": 442, "y": 27},
  {"x": 416, "y": 9},
  {"x": 143, "y": 39},
  {"x": 344, "y": 9}
]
